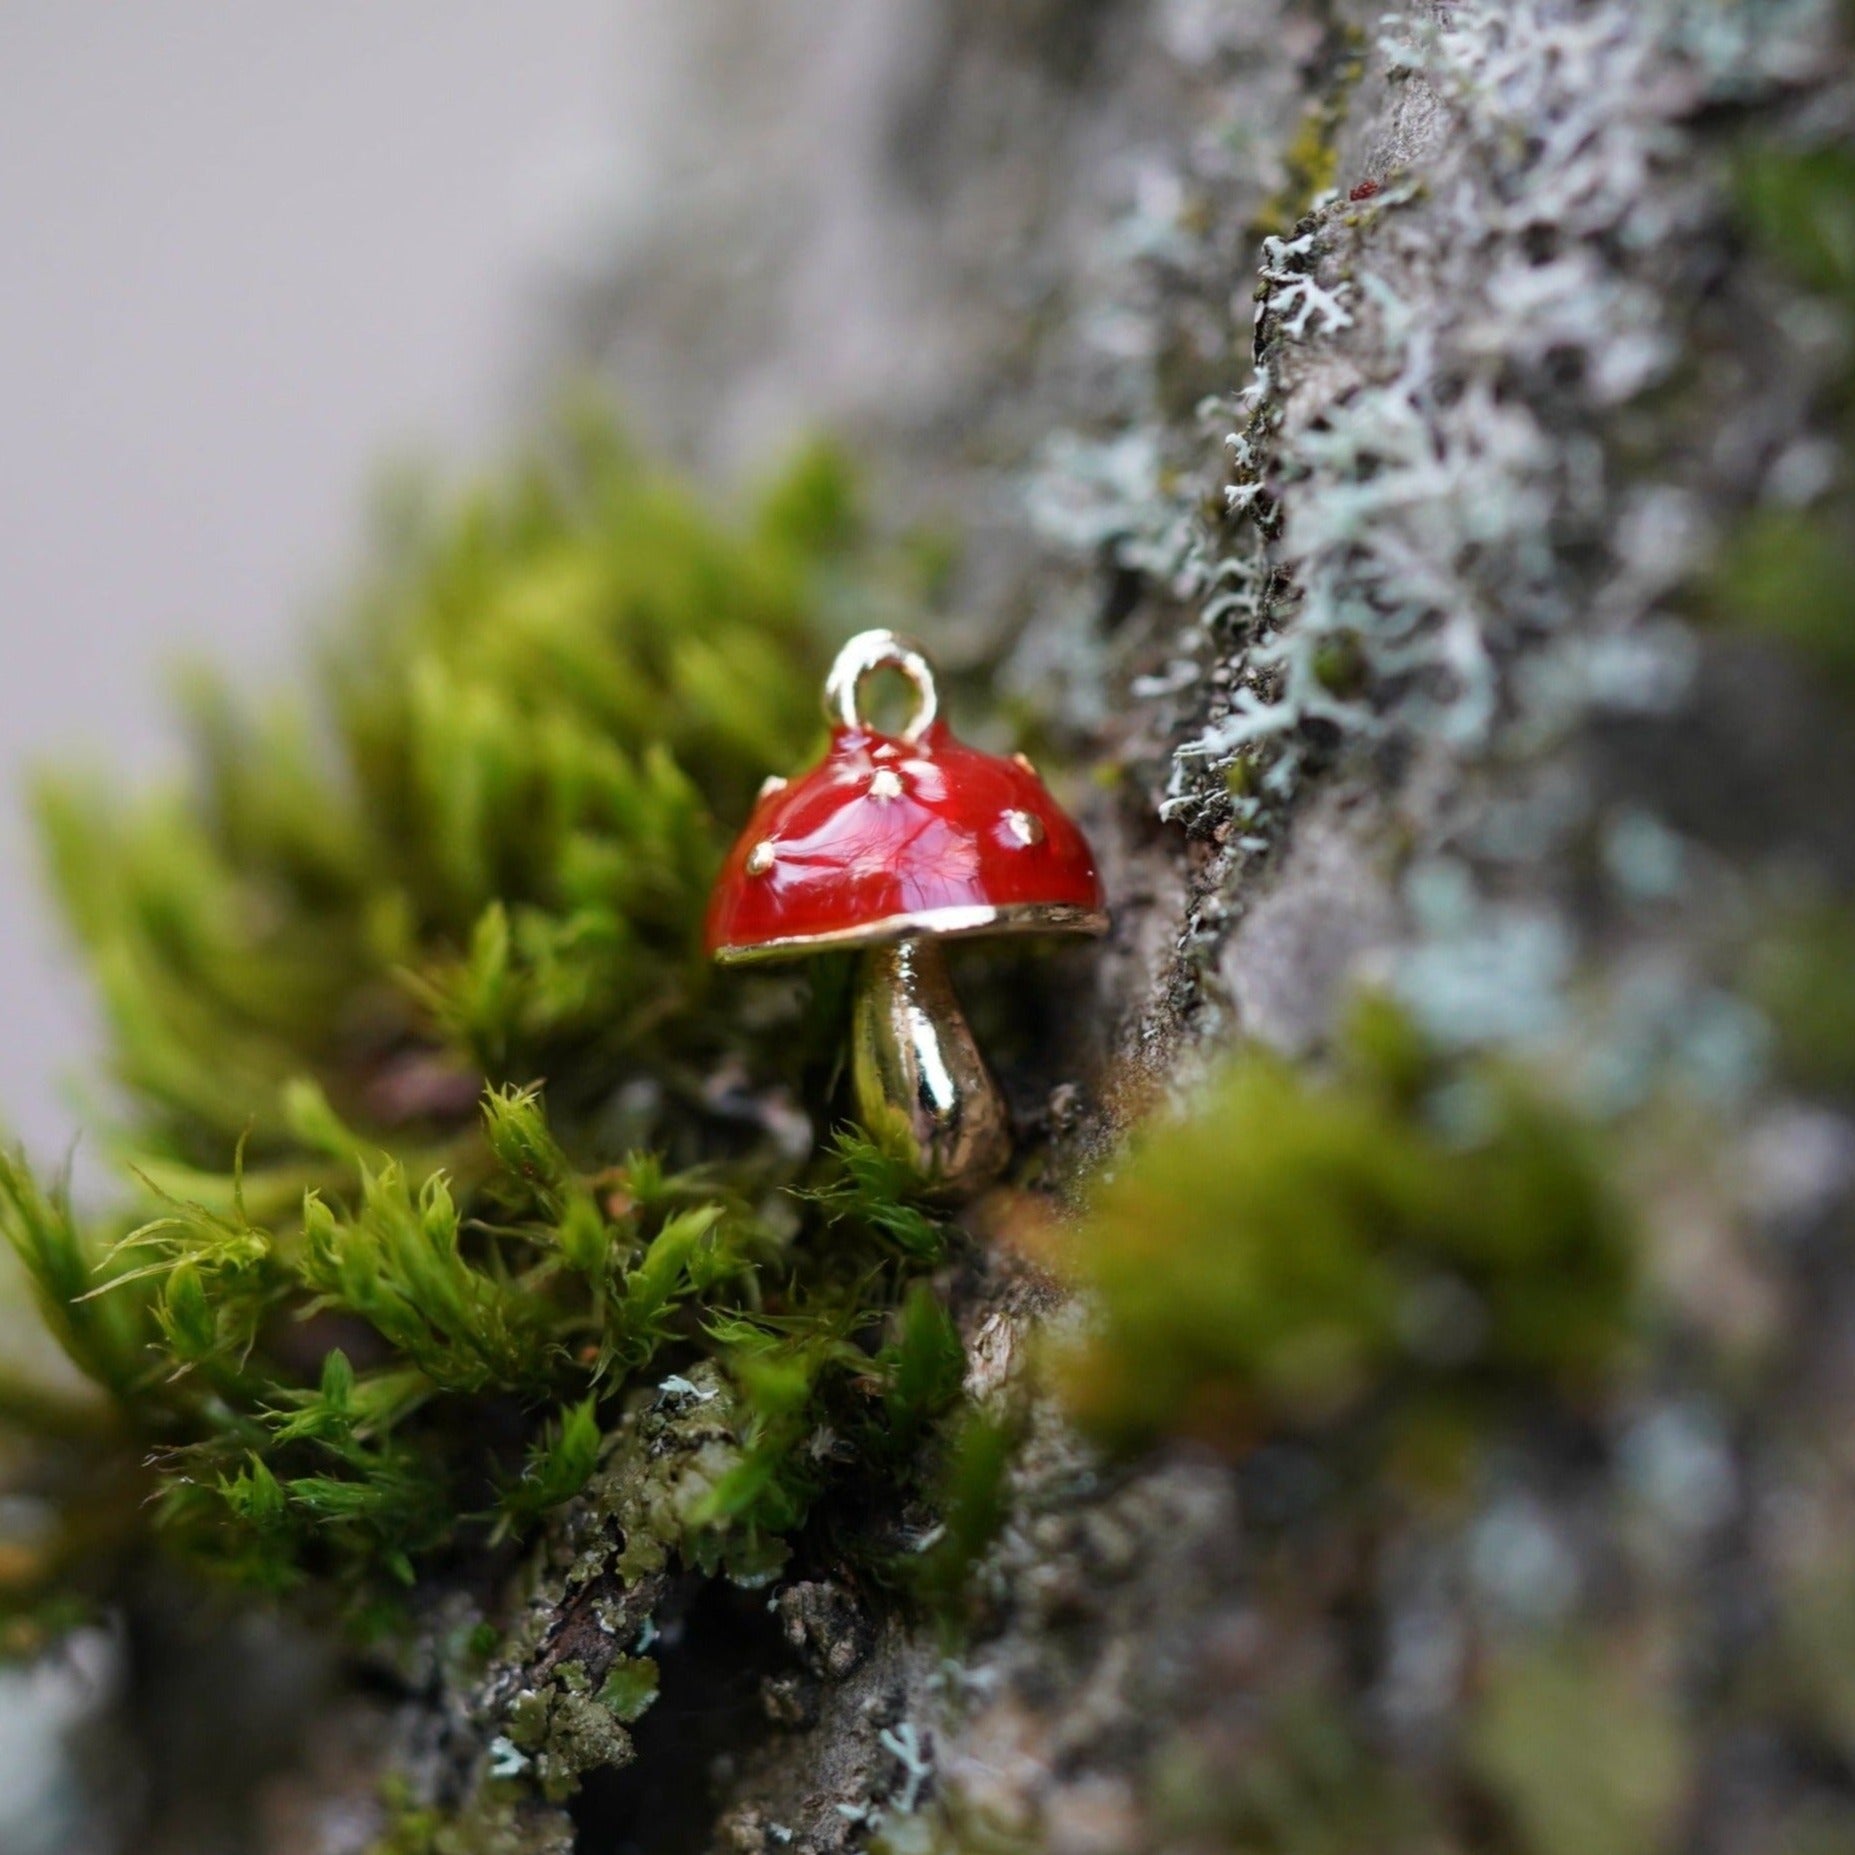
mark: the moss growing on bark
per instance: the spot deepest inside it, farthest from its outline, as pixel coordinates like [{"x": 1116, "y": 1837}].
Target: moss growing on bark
[
  {"x": 1788, "y": 572},
  {"x": 1311, "y": 162},
  {"x": 1293, "y": 1250},
  {"x": 441, "y": 1141},
  {"x": 482, "y": 854},
  {"x": 1582, "y": 1756},
  {"x": 1301, "y": 1783},
  {"x": 1803, "y": 977}
]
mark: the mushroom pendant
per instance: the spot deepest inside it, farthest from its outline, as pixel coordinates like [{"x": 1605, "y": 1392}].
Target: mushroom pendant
[{"x": 892, "y": 844}]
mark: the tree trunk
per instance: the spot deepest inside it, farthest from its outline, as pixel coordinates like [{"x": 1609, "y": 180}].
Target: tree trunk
[{"x": 1340, "y": 419}]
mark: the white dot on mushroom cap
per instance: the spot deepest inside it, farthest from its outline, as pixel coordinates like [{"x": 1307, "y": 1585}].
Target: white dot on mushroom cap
[
  {"x": 760, "y": 858},
  {"x": 772, "y": 784},
  {"x": 924, "y": 781},
  {"x": 1025, "y": 827},
  {"x": 1024, "y": 762},
  {"x": 885, "y": 783}
]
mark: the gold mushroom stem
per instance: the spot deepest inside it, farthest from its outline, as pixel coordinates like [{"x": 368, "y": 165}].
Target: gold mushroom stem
[{"x": 917, "y": 1072}]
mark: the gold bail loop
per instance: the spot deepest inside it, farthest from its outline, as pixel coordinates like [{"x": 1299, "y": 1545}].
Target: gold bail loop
[{"x": 860, "y": 659}]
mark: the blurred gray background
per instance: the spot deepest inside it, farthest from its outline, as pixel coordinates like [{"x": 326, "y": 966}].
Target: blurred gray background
[{"x": 246, "y": 253}]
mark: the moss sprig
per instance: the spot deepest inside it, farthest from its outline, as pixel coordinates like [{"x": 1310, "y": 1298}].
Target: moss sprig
[
  {"x": 439, "y": 1135},
  {"x": 1299, "y": 1250}
]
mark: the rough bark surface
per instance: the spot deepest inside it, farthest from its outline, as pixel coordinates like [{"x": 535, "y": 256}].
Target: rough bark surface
[{"x": 1334, "y": 411}]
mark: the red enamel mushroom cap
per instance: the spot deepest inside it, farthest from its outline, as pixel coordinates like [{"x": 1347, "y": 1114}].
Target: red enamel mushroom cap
[{"x": 896, "y": 836}]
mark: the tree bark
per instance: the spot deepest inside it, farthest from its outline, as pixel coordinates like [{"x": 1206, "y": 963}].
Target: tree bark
[{"x": 1358, "y": 402}]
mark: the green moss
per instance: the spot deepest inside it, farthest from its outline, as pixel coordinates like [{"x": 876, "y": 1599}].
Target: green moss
[
  {"x": 630, "y": 1689},
  {"x": 487, "y": 855},
  {"x": 973, "y": 1503},
  {"x": 1812, "y": 1673},
  {"x": 1294, "y": 1249},
  {"x": 1340, "y": 665},
  {"x": 1582, "y": 1757},
  {"x": 373, "y": 1297},
  {"x": 1802, "y": 975},
  {"x": 1798, "y": 204},
  {"x": 1788, "y": 573},
  {"x": 1311, "y": 162},
  {"x": 502, "y": 1825},
  {"x": 1303, "y": 1783},
  {"x": 565, "y": 1732}
]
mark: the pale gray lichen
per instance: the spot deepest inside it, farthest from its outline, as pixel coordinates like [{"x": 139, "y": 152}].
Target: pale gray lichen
[
  {"x": 904, "y": 1744},
  {"x": 1438, "y": 532},
  {"x": 1423, "y": 507}
]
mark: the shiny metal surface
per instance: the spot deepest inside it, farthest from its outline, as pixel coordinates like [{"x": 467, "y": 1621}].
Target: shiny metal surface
[
  {"x": 918, "y": 1075},
  {"x": 863, "y": 656},
  {"x": 941, "y": 923}
]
